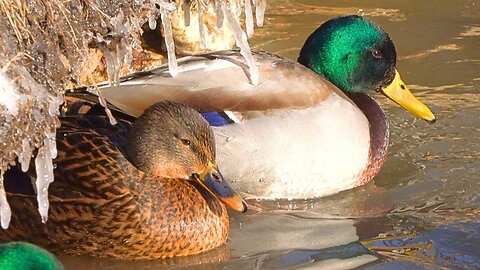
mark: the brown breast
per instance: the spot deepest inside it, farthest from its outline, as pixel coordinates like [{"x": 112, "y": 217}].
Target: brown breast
[{"x": 379, "y": 134}]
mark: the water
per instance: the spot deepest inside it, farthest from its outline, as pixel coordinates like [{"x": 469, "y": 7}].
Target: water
[{"x": 422, "y": 211}]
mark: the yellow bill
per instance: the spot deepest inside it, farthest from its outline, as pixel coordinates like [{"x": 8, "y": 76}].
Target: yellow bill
[{"x": 398, "y": 92}]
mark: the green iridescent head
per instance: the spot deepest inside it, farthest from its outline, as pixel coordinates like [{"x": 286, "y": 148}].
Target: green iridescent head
[
  {"x": 23, "y": 256},
  {"x": 351, "y": 52}
]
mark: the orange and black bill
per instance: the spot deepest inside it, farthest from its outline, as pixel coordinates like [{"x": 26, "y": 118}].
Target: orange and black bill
[{"x": 213, "y": 181}]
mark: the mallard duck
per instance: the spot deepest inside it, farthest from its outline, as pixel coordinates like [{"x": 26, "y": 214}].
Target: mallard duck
[
  {"x": 309, "y": 129},
  {"x": 26, "y": 256},
  {"x": 145, "y": 188}
]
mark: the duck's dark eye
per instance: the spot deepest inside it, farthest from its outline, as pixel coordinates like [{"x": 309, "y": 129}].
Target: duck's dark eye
[
  {"x": 377, "y": 54},
  {"x": 185, "y": 142}
]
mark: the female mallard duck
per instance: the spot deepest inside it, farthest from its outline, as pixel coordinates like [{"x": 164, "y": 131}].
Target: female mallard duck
[
  {"x": 296, "y": 134},
  {"x": 123, "y": 191}
]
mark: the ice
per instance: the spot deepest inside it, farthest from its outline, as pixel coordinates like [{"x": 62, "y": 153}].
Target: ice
[
  {"x": 186, "y": 12},
  {"x": 201, "y": 27},
  {"x": 219, "y": 13},
  {"x": 5, "y": 212},
  {"x": 167, "y": 29},
  {"x": 169, "y": 6},
  {"x": 242, "y": 42},
  {"x": 152, "y": 21},
  {"x": 38, "y": 63},
  {"x": 44, "y": 170},
  {"x": 9, "y": 96},
  {"x": 260, "y": 11},
  {"x": 25, "y": 155},
  {"x": 248, "y": 18},
  {"x": 96, "y": 91}
]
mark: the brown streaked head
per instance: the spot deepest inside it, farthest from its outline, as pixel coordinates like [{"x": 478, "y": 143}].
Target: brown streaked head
[{"x": 172, "y": 140}]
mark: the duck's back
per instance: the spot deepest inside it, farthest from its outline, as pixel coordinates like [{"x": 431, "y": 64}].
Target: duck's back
[
  {"x": 101, "y": 205},
  {"x": 219, "y": 81}
]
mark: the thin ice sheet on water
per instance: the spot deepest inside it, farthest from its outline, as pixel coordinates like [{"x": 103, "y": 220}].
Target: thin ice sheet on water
[{"x": 242, "y": 42}]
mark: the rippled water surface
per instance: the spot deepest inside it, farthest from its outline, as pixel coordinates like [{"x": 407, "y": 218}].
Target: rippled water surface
[{"x": 423, "y": 209}]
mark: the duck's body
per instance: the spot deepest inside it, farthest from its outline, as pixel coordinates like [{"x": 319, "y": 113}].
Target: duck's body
[
  {"x": 291, "y": 140},
  {"x": 102, "y": 205},
  {"x": 295, "y": 134}
]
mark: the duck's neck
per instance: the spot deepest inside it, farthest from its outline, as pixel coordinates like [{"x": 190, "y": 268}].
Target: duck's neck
[{"x": 379, "y": 132}]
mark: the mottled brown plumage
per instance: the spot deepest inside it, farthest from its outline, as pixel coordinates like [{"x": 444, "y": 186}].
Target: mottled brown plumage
[{"x": 102, "y": 205}]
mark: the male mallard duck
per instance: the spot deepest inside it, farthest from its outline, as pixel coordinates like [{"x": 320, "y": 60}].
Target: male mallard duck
[
  {"x": 296, "y": 134},
  {"x": 123, "y": 191}
]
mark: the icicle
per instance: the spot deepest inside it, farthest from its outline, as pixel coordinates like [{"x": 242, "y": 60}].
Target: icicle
[
  {"x": 103, "y": 102},
  {"x": 186, "y": 12},
  {"x": 248, "y": 18},
  {"x": 167, "y": 30},
  {"x": 260, "y": 11},
  {"x": 51, "y": 136},
  {"x": 110, "y": 63},
  {"x": 26, "y": 154},
  {"x": 44, "y": 169},
  {"x": 219, "y": 13},
  {"x": 5, "y": 212},
  {"x": 201, "y": 28},
  {"x": 242, "y": 42},
  {"x": 54, "y": 104},
  {"x": 114, "y": 61},
  {"x": 152, "y": 21}
]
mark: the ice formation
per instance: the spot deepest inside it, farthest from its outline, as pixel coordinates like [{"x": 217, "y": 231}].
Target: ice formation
[
  {"x": 201, "y": 28},
  {"x": 219, "y": 13},
  {"x": 10, "y": 98},
  {"x": 242, "y": 42},
  {"x": 44, "y": 170},
  {"x": 167, "y": 29},
  {"x": 260, "y": 5},
  {"x": 248, "y": 18},
  {"x": 5, "y": 213},
  {"x": 38, "y": 63},
  {"x": 186, "y": 14}
]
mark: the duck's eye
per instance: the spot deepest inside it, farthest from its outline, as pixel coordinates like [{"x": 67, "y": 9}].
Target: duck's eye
[
  {"x": 377, "y": 54},
  {"x": 185, "y": 142}
]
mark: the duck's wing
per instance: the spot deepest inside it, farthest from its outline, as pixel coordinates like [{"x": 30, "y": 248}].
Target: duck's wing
[{"x": 220, "y": 82}]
